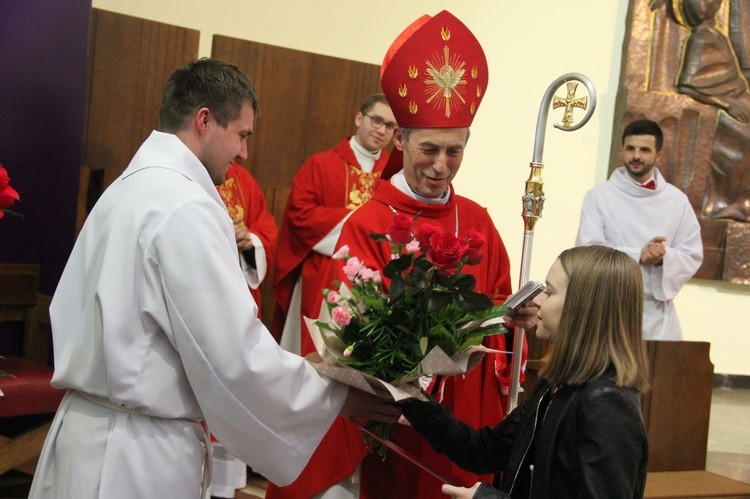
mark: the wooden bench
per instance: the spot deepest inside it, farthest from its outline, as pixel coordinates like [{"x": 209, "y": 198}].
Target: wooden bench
[
  {"x": 27, "y": 393},
  {"x": 693, "y": 485}
]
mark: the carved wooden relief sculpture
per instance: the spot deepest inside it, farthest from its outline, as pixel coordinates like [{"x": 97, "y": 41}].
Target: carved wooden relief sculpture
[{"x": 686, "y": 65}]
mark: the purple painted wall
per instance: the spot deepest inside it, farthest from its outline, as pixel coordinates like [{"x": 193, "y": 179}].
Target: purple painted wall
[{"x": 43, "y": 77}]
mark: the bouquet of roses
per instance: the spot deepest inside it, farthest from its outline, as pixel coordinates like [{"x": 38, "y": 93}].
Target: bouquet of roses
[{"x": 428, "y": 321}]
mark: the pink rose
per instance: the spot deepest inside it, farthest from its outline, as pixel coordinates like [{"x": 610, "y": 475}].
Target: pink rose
[
  {"x": 446, "y": 251},
  {"x": 425, "y": 232},
  {"x": 400, "y": 230},
  {"x": 412, "y": 247},
  {"x": 341, "y": 315},
  {"x": 342, "y": 253},
  {"x": 333, "y": 297}
]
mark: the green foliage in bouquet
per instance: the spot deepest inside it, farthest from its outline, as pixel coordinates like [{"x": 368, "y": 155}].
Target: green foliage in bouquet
[{"x": 429, "y": 302}]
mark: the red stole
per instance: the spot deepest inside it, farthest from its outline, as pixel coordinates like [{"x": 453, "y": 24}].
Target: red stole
[{"x": 244, "y": 199}]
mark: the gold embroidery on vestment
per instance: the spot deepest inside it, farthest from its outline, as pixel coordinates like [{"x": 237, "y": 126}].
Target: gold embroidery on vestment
[
  {"x": 445, "y": 33},
  {"x": 233, "y": 198},
  {"x": 360, "y": 186}
]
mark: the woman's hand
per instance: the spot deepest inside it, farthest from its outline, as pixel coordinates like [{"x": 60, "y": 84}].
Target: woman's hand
[
  {"x": 460, "y": 492},
  {"x": 524, "y": 317},
  {"x": 363, "y": 405}
]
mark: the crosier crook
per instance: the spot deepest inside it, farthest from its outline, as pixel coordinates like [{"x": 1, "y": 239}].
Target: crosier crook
[{"x": 533, "y": 198}]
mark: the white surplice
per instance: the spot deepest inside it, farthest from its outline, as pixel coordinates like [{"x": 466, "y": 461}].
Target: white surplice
[
  {"x": 620, "y": 214},
  {"x": 152, "y": 314}
]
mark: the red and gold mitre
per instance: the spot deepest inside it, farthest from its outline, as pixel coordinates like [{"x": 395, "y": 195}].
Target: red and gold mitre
[{"x": 434, "y": 75}]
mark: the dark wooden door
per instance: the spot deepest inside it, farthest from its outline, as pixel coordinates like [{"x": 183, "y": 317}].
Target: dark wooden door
[{"x": 308, "y": 103}]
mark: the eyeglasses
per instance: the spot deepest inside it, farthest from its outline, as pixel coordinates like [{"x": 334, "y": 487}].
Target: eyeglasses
[{"x": 377, "y": 122}]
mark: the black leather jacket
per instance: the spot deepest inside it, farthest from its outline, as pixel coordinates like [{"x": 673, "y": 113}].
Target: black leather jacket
[{"x": 589, "y": 443}]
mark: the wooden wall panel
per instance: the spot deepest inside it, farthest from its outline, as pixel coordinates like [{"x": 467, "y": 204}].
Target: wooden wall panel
[
  {"x": 308, "y": 103},
  {"x": 677, "y": 409},
  {"x": 282, "y": 79},
  {"x": 338, "y": 90},
  {"x": 130, "y": 61}
]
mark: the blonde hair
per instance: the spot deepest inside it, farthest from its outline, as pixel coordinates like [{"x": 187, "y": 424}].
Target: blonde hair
[{"x": 601, "y": 322}]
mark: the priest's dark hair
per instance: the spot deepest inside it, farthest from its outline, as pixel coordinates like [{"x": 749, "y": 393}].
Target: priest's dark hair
[
  {"x": 207, "y": 82},
  {"x": 601, "y": 323},
  {"x": 370, "y": 102},
  {"x": 645, "y": 127}
]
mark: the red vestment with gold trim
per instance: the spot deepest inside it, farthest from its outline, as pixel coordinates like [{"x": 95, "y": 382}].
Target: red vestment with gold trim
[
  {"x": 244, "y": 198},
  {"x": 478, "y": 398}
]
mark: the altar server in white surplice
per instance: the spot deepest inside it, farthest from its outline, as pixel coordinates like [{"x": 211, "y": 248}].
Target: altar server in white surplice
[
  {"x": 638, "y": 212},
  {"x": 154, "y": 329}
]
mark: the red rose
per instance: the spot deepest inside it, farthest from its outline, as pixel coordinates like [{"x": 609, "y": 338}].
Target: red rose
[
  {"x": 446, "y": 251},
  {"x": 424, "y": 233},
  {"x": 400, "y": 230},
  {"x": 8, "y": 194},
  {"x": 476, "y": 240}
]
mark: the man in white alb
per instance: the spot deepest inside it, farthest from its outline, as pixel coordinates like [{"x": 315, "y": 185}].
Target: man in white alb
[
  {"x": 637, "y": 211},
  {"x": 154, "y": 328}
]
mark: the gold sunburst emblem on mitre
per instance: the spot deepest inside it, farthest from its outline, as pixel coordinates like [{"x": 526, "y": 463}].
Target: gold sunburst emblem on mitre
[{"x": 446, "y": 81}]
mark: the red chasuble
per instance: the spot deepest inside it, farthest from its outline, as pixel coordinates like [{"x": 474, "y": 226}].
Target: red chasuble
[
  {"x": 244, "y": 198},
  {"x": 476, "y": 398},
  {"x": 326, "y": 188}
]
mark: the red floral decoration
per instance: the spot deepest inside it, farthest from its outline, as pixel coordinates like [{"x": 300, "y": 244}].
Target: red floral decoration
[{"x": 8, "y": 194}]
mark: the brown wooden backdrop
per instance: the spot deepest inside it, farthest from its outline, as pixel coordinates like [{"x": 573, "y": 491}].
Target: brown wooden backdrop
[
  {"x": 130, "y": 60},
  {"x": 308, "y": 103}
]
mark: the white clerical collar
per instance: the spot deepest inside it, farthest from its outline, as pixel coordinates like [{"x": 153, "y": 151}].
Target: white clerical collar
[
  {"x": 399, "y": 182},
  {"x": 365, "y": 158}
]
